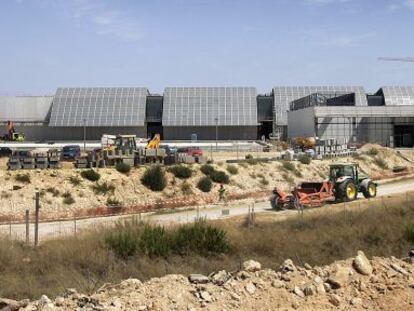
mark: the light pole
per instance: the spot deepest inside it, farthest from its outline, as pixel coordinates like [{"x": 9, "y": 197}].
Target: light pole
[
  {"x": 216, "y": 120},
  {"x": 84, "y": 135}
]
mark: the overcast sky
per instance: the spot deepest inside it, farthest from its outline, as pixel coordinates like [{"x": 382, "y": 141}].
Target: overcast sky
[{"x": 158, "y": 43}]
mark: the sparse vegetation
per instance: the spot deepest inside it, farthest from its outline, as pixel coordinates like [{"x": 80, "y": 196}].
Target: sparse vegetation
[
  {"x": 252, "y": 161},
  {"x": 5, "y": 195},
  {"x": 113, "y": 202},
  {"x": 220, "y": 177},
  {"x": 123, "y": 168},
  {"x": 264, "y": 181},
  {"x": 181, "y": 171},
  {"x": 23, "y": 178},
  {"x": 154, "y": 178},
  {"x": 205, "y": 184},
  {"x": 381, "y": 163},
  {"x": 75, "y": 180},
  {"x": 305, "y": 159},
  {"x": 90, "y": 175},
  {"x": 68, "y": 198},
  {"x": 232, "y": 169},
  {"x": 156, "y": 241},
  {"x": 320, "y": 238},
  {"x": 289, "y": 166},
  {"x": 288, "y": 178},
  {"x": 103, "y": 188},
  {"x": 372, "y": 152},
  {"x": 55, "y": 192},
  {"x": 207, "y": 169},
  {"x": 186, "y": 188}
]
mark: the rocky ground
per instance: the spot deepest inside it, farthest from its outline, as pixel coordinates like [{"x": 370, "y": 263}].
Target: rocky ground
[
  {"x": 353, "y": 284},
  {"x": 16, "y": 196}
]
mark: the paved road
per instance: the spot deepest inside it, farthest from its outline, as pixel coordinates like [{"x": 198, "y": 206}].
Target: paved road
[{"x": 59, "y": 229}]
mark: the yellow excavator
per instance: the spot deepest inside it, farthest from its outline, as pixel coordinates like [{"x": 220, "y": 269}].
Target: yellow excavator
[{"x": 154, "y": 143}]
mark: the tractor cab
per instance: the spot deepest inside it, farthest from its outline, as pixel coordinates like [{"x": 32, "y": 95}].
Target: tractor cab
[
  {"x": 348, "y": 181},
  {"x": 343, "y": 171},
  {"x": 126, "y": 142}
]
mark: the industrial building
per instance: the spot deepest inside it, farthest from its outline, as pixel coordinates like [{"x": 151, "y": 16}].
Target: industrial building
[
  {"x": 387, "y": 118},
  {"x": 345, "y": 113}
]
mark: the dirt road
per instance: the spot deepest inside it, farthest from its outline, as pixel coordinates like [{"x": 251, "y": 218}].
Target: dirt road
[{"x": 51, "y": 230}]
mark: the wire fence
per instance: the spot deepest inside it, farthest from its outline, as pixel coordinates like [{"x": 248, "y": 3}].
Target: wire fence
[{"x": 248, "y": 211}]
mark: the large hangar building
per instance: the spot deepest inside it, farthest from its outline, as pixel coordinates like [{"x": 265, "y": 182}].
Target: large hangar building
[{"x": 346, "y": 113}]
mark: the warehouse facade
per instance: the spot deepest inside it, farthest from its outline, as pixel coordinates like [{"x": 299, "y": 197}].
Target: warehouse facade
[
  {"x": 386, "y": 119},
  {"x": 345, "y": 113}
]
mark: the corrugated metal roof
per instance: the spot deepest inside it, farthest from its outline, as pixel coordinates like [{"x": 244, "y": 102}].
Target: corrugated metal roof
[
  {"x": 201, "y": 106},
  {"x": 284, "y": 95},
  {"x": 398, "y": 95},
  {"x": 99, "y": 106},
  {"x": 25, "y": 108}
]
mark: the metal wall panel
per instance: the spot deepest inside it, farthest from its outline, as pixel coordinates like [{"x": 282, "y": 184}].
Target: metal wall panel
[
  {"x": 25, "y": 108},
  {"x": 201, "y": 106},
  {"x": 398, "y": 95},
  {"x": 284, "y": 95},
  {"x": 209, "y": 132},
  {"x": 99, "y": 106}
]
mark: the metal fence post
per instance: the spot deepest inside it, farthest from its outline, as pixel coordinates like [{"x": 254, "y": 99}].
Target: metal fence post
[
  {"x": 27, "y": 226},
  {"x": 36, "y": 232}
]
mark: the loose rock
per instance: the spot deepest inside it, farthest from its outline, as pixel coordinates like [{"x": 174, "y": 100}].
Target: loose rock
[
  {"x": 198, "y": 279},
  {"x": 362, "y": 264},
  {"x": 251, "y": 266}
]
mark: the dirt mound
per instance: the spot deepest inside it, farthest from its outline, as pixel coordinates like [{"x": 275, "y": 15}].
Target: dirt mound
[{"x": 353, "y": 284}]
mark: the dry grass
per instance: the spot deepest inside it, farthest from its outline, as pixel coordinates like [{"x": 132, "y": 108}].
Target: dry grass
[{"x": 321, "y": 237}]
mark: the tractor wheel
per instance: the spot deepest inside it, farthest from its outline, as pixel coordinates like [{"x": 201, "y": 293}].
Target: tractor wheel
[
  {"x": 347, "y": 191},
  {"x": 370, "y": 191}
]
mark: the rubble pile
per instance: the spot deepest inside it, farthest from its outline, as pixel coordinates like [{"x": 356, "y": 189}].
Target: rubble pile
[{"x": 354, "y": 284}]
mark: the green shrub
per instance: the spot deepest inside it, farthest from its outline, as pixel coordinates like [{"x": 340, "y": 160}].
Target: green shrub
[
  {"x": 155, "y": 241},
  {"x": 409, "y": 233},
  {"x": 103, "y": 188},
  {"x": 68, "y": 198},
  {"x": 289, "y": 166},
  {"x": 55, "y": 192},
  {"x": 123, "y": 168},
  {"x": 201, "y": 238},
  {"x": 380, "y": 162},
  {"x": 205, "y": 184},
  {"x": 252, "y": 161},
  {"x": 186, "y": 188},
  {"x": 90, "y": 175},
  {"x": 232, "y": 169},
  {"x": 264, "y": 181},
  {"x": 248, "y": 157},
  {"x": 124, "y": 239},
  {"x": 220, "y": 177},
  {"x": 373, "y": 152},
  {"x": 154, "y": 178},
  {"x": 23, "y": 178},
  {"x": 207, "y": 169},
  {"x": 181, "y": 171},
  {"x": 113, "y": 202},
  {"x": 75, "y": 180},
  {"x": 305, "y": 158}
]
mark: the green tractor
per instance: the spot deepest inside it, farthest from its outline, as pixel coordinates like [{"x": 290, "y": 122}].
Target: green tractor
[{"x": 347, "y": 181}]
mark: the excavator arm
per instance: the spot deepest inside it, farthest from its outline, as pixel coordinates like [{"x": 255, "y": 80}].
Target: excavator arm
[{"x": 155, "y": 142}]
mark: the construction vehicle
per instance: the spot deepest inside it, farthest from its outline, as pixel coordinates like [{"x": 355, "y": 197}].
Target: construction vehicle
[
  {"x": 154, "y": 143},
  {"x": 305, "y": 142},
  {"x": 344, "y": 183},
  {"x": 12, "y": 135}
]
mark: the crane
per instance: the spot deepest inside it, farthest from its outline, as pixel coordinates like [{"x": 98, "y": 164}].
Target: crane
[{"x": 397, "y": 59}]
